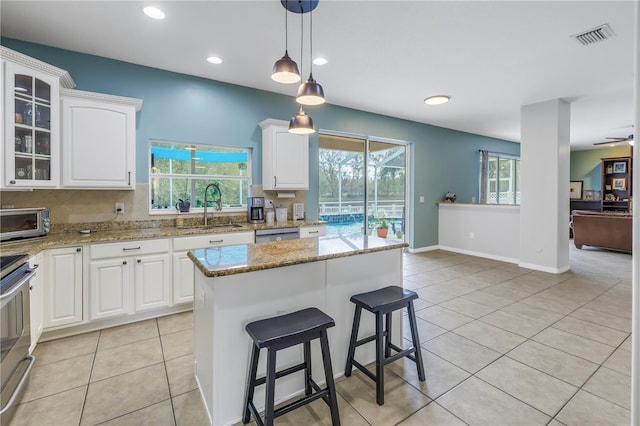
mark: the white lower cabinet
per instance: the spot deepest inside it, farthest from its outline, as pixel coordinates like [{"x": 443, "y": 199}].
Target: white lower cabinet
[
  {"x": 130, "y": 277},
  {"x": 36, "y": 299},
  {"x": 63, "y": 286},
  {"x": 152, "y": 276},
  {"x": 183, "y": 266},
  {"x": 109, "y": 288},
  {"x": 313, "y": 231}
]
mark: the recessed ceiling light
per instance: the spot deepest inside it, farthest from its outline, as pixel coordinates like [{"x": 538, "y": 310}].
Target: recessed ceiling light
[
  {"x": 153, "y": 12},
  {"x": 214, "y": 60},
  {"x": 437, "y": 100},
  {"x": 320, "y": 61}
]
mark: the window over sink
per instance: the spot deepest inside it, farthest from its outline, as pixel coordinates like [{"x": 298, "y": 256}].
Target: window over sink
[{"x": 181, "y": 171}]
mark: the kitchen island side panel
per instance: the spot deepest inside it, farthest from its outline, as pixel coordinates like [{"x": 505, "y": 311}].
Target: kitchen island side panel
[
  {"x": 347, "y": 276},
  {"x": 237, "y": 300},
  {"x": 222, "y": 346}
]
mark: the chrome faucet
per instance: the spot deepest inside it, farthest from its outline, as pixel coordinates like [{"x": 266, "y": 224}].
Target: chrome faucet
[{"x": 206, "y": 201}]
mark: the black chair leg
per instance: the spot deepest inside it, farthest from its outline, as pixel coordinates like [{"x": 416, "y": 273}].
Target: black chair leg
[
  {"x": 379, "y": 360},
  {"x": 248, "y": 394},
  {"x": 352, "y": 343},
  {"x": 328, "y": 374},
  {"x": 387, "y": 337},
  {"x": 307, "y": 370},
  {"x": 270, "y": 388},
  {"x": 416, "y": 341}
]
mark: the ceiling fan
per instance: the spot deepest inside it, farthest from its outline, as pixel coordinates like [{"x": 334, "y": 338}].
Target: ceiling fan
[{"x": 628, "y": 139}]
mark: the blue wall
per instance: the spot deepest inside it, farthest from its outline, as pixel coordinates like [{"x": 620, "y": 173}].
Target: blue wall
[
  {"x": 184, "y": 108},
  {"x": 586, "y": 165}
]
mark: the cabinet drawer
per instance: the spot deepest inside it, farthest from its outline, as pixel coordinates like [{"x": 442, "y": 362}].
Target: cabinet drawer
[
  {"x": 213, "y": 240},
  {"x": 130, "y": 248},
  {"x": 313, "y": 231}
]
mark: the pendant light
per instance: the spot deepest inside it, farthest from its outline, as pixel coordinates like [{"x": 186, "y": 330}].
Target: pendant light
[
  {"x": 301, "y": 123},
  {"x": 310, "y": 92},
  {"x": 285, "y": 70}
]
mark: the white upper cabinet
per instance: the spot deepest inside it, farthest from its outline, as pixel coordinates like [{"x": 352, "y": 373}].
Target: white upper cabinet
[
  {"x": 285, "y": 157},
  {"x": 98, "y": 140},
  {"x": 31, "y": 121}
]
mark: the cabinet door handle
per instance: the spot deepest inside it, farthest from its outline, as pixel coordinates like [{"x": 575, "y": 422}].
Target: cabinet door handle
[
  {"x": 12, "y": 182},
  {"x": 216, "y": 241},
  {"x": 275, "y": 181},
  {"x": 132, "y": 248},
  {"x": 129, "y": 179},
  {"x": 313, "y": 232},
  {"x": 139, "y": 261},
  {"x": 124, "y": 262},
  {"x": 78, "y": 250}
]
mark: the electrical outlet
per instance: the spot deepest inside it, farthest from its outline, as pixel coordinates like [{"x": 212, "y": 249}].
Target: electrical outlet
[{"x": 120, "y": 208}]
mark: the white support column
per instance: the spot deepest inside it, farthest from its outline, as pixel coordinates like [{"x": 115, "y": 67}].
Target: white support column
[
  {"x": 544, "y": 207},
  {"x": 635, "y": 268}
]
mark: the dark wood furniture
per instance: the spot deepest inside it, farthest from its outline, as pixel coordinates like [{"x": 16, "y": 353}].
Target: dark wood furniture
[
  {"x": 592, "y": 205},
  {"x": 616, "y": 183}
]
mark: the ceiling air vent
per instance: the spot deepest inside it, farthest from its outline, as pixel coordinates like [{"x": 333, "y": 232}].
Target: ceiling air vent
[{"x": 601, "y": 33}]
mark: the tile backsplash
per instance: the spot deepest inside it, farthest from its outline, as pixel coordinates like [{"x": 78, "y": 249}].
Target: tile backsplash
[
  {"x": 76, "y": 206},
  {"x": 81, "y": 206}
]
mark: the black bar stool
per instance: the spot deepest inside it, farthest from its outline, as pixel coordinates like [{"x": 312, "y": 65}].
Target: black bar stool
[
  {"x": 279, "y": 333},
  {"x": 383, "y": 302}
]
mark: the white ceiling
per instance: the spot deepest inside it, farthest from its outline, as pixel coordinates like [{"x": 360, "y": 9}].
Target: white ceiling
[{"x": 492, "y": 57}]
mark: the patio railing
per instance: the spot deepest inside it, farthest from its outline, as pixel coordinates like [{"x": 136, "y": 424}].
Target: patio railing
[{"x": 334, "y": 211}]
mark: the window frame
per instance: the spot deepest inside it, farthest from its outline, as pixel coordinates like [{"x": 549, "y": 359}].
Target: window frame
[
  {"x": 248, "y": 178},
  {"x": 514, "y": 179}
]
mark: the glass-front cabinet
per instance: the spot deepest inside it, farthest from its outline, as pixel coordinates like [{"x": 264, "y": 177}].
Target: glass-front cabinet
[{"x": 31, "y": 99}]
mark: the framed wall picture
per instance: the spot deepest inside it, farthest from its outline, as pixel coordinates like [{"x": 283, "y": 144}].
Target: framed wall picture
[
  {"x": 619, "y": 183},
  {"x": 575, "y": 190},
  {"x": 620, "y": 167}
]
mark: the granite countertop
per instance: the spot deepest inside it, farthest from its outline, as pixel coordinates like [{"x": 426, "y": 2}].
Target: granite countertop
[
  {"x": 74, "y": 238},
  {"x": 230, "y": 260}
]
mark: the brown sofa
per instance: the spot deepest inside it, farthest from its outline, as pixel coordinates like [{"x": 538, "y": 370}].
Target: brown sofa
[{"x": 611, "y": 230}]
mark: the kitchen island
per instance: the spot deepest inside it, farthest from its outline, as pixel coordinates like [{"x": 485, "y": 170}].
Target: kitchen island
[{"x": 238, "y": 284}]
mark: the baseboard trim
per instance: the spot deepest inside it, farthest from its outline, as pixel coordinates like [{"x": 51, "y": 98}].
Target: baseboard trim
[
  {"x": 480, "y": 254},
  {"x": 422, "y": 249},
  {"x": 544, "y": 268}
]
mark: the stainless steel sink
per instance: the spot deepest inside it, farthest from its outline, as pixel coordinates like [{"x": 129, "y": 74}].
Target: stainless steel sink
[
  {"x": 225, "y": 226},
  {"x": 228, "y": 225}
]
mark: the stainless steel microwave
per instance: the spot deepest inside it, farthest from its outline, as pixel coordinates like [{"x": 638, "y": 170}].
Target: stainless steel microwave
[{"x": 20, "y": 224}]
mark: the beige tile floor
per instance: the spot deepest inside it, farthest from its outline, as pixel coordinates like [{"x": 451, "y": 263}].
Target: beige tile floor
[{"x": 502, "y": 345}]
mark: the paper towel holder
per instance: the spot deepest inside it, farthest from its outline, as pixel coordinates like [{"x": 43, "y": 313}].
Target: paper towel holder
[{"x": 285, "y": 195}]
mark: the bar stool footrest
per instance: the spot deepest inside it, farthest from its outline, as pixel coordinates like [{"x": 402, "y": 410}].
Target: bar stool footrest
[
  {"x": 300, "y": 402},
  {"x": 402, "y": 353},
  {"x": 282, "y": 373},
  {"x": 364, "y": 370}
]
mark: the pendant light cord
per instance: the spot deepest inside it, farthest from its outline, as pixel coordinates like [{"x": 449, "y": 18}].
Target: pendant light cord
[
  {"x": 286, "y": 27},
  {"x": 311, "y": 42},
  {"x": 301, "y": 39}
]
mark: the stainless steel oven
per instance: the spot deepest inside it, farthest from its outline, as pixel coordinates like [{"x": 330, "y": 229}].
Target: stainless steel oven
[
  {"x": 25, "y": 223},
  {"x": 15, "y": 361}
]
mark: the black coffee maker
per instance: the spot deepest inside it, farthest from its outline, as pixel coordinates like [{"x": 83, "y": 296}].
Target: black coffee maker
[{"x": 255, "y": 209}]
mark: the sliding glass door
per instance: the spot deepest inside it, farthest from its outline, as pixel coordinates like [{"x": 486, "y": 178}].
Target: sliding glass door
[
  {"x": 387, "y": 192},
  {"x": 363, "y": 185}
]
